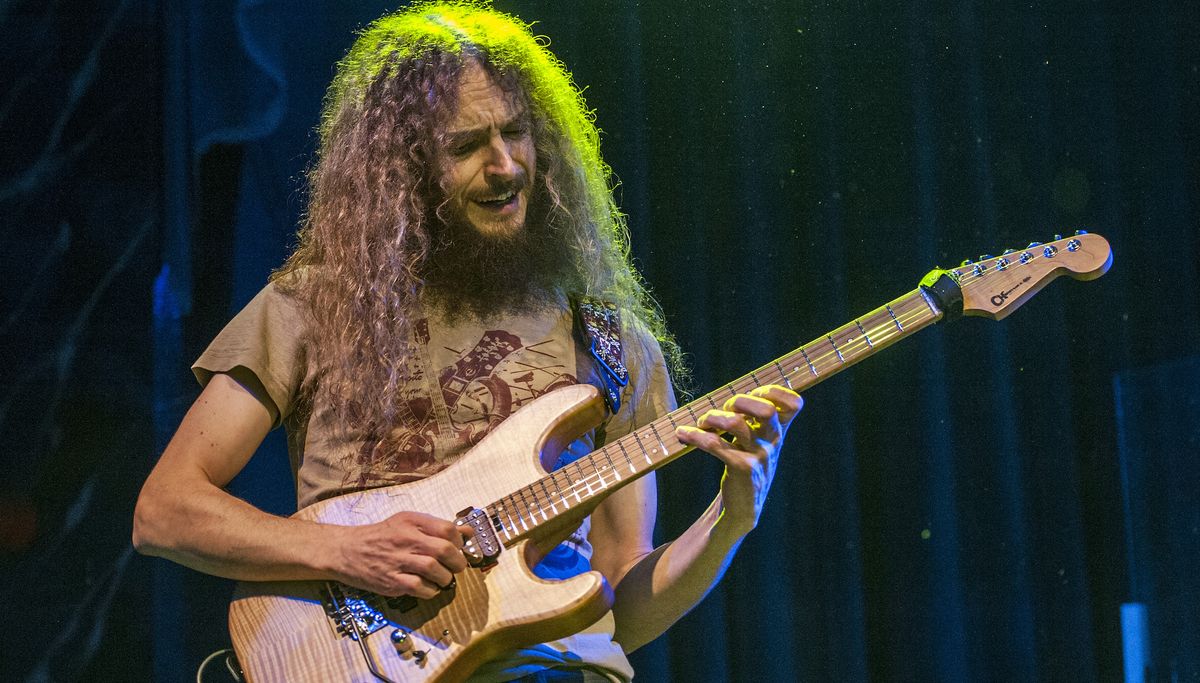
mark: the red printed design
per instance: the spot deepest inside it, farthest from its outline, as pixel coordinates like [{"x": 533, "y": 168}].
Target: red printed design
[{"x": 482, "y": 387}]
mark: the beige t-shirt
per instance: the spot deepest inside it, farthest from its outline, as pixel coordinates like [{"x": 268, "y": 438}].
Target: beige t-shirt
[{"x": 467, "y": 377}]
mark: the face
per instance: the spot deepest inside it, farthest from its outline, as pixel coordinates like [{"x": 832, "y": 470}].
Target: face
[{"x": 489, "y": 157}]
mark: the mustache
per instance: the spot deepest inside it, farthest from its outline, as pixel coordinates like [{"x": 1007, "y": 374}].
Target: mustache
[{"x": 502, "y": 186}]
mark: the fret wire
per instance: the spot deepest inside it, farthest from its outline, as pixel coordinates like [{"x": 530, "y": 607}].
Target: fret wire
[
  {"x": 554, "y": 476},
  {"x": 835, "y": 348},
  {"x": 530, "y": 500},
  {"x": 671, "y": 418},
  {"x": 546, "y": 495},
  {"x": 611, "y": 467},
  {"x": 512, "y": 505},
  {"x": 810, "y": 363},
  {"x": 575, "y": 479},
  {"x": 783, "y": 374},
  {"x": 864, "y": 333},
  {"x": 888, "y": 323},
  {"x": 638, "y": 440},
  {"x": 625, "y": 453},
  {"x": 585, "y": 478},
  {"x": 657, "y": 437}
]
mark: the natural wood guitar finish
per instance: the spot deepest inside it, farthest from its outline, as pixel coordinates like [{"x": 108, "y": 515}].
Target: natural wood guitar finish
[{"x": 322, "y": 631}]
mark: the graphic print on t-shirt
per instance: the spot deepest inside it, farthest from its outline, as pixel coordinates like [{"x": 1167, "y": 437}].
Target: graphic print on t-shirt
[{"x": 484, "y": 385}]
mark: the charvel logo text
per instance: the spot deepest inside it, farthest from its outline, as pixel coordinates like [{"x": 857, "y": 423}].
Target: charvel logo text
[{"x": 999, "y": 299}]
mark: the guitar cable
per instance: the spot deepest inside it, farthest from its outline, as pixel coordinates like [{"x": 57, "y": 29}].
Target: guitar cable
[{"x": 231, "y": 664}]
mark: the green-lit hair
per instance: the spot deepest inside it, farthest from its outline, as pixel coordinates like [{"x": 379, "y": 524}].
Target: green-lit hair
[{"x": 375, "y": 192}]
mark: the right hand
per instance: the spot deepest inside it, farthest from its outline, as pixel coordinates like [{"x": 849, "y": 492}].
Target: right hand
[{"x": 409, "y": 553}]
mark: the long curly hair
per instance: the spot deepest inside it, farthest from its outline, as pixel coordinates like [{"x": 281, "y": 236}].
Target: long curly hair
[{"x": 375, "y": 197}]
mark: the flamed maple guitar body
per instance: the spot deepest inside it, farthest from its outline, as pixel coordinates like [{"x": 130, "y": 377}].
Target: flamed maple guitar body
[
  {"x": 322, "y": 631},
  {"x": 283, "y": 631}
]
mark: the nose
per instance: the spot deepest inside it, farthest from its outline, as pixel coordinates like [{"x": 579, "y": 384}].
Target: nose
[{"x": 500, "y": 161}]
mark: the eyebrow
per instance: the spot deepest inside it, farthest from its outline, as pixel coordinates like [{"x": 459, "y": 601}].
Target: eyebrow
[{"x": 456, "y": 137}]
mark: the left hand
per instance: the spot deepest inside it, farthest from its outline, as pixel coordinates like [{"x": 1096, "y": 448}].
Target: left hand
[{"x": 757, "y": 421}]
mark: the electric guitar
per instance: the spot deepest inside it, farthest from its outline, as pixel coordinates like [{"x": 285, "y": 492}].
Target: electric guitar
[{"x": 326, "y": 631}]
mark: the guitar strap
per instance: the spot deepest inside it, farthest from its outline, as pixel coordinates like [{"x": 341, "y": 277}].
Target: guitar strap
[{"x": 598, "y": 327}]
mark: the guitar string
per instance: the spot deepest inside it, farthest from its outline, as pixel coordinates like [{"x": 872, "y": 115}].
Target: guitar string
[{"x": 884, "y": 332}]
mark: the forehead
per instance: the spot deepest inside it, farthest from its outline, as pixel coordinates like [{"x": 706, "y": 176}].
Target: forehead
[{"x": 482, "y": 103}]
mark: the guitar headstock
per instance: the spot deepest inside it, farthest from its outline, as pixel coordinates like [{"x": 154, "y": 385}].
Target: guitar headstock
[{"x": 995, "y": 286}]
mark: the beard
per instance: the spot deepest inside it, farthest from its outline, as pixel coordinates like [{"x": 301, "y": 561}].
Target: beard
[{"x": 476, "y": 275}]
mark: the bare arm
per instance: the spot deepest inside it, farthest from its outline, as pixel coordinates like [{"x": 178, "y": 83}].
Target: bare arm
[
  {"x": 184, "y": 515},
  {"x": 655, "y": 587}
]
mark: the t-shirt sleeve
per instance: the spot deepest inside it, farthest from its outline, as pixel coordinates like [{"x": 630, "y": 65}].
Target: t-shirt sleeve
[
  {"x": 262, "y": 349},
  {"x": 649, "y": 394}
]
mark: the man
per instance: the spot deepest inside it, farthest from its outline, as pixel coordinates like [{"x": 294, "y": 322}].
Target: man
[{"x": 457, "y": 199}]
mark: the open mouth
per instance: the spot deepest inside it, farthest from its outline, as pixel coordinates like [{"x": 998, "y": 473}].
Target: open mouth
[{"x": 500, "y": 203}]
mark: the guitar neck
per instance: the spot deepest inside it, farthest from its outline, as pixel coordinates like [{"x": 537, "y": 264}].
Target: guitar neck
[{"x": 617, "y": 463}]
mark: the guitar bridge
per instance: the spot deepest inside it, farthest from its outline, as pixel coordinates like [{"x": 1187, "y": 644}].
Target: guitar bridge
[
  {"x": 482, "y": 550},
  {"x": 355, "y": 613}
]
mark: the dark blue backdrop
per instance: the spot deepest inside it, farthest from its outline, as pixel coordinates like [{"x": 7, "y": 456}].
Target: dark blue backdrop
[{"x": 975, "y": 503}]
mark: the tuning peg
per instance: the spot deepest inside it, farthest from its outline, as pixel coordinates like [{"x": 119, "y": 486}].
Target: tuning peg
[
  {"x": 984, "y": 257},
  {"x": 966, "y": 262},
  {"x": 1081, "y": 232},
  {"x": 1057, "y": 237},
  {"x": 1006, "y": 252},
  {"x": 1034, "y": 244}
]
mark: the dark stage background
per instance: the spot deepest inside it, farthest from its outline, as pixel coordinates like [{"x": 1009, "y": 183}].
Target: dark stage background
[{"x": 974, "y": 504}]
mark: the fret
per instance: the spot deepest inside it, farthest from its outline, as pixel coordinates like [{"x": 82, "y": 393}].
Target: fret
[
  {"x": 671, "y": 418},
  {"x": 554, "y": 477},
  {"x": 662, "y": 447},
  {"x": 577, "y": 480},
  {"x": 546, "y": 495},
  {"x": 530, "y": 504},
  {"x": 625, "y": 453},
  {"x": 587, "y": 478},
  {"x": 810, "y": 363},
  {"x": 783, "y": 374},
  {"x": 638, "y": 440},
  {"x": 523, "y": 511},
  {"x": 929, "y": 302},
  {"x": 866, "y": 336},
  {"x": 835, "y": 348},
  {"x": 520, "y": 517},
  {"x": 611, "y": 466}
]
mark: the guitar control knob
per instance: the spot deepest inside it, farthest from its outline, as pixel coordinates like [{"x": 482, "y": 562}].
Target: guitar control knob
[{"x": 401, "y": 641}]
